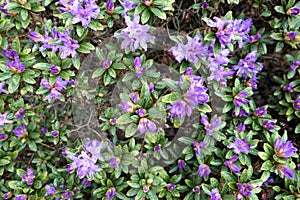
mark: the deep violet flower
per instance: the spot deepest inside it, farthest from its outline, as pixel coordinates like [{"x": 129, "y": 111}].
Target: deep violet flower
[
  {"x": 285, "y": 171},
  {"x": 244, "y": 190},
  {"x": 240, "y": 99},
  {"x": 59, "y": 85},
  {"x": 198, "y": 146},
  {"x": 232, "y": 166},
  {"x": 203, "y": 170},
  {"x": 110, "y": 193},
  {"x": 215, "y": 195},
  {"x": 29, "y": 177},
  {"x": 284, "y": 150}
]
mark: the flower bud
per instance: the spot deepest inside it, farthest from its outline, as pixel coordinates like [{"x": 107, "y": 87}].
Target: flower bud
[
  {"x": 55, "y": 69},
  {"x": 147, "y": 2}
]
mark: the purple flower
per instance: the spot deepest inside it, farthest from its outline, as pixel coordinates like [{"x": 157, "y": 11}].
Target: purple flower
[
  {"x": 146, "y": 125},
  {"x": 106, "y": 63},
  {"x": 181, "y": 164},
  {"x": 157, "y": 147},
  {"x": 252, "y": 82},
  {"x": 191, "y": 51},
  {"x": 141, "y": 112},
  {"x": 21, "y": 131},
  {"x": 113, "y": 121},
  {"x": 294, "y": 11},
  {"x": 225, "y": 29},
  {"x": 69, "y": 45},
  {"x": 179, "y": 109},
  {"x": 7, "y": 195},
  {"x": 290, "y": 36},
  {"x": 3, "y": 119},
  {"x": 126, "y": 106},
  {"x": 196, "y": 189},
  {"x": 15, "y": 66},
  {"x": 109, "y": 7},
  {"x": 232, "y": 166},
  {"x": 284, "y": 150},
  {"x": 135, "y": 35},
  {"x": 247, "y": 67},
  {"x": 139, "y": 70},
  {"x": 127, "y": 5},
  {"x": 1, "y": 88},
  {"x": 50, "y": 190},
  {"x": 296, "y": 104},
  {"x": 254, "y": 38},
  {"x": 55, "y": 133},
  {"x": 10, "y": 53},
  {"x": 3, "y": 137},
  {"x": 110, "y": 193},
  {"x": 239, "y": 99},
  {"x": 215, "y": 195},
  {"x": 94, "y": 147},
  {"x": 197, "y": 146},
  {"x": 43, "y": 130},
  {"x": 84, "y": 164},
  {"x": 67, "y": 194},
  {"x": 239, "y": 146},
  {"x": 241, "y": 127},
  {"x": 35, "y": 36},
  {"x": 286, "y": 171},
  {"x": 242, "y": 28},
  {"x": 20, "y": 113},
  {"x": 204, "y": 5},
  {"x": 260, "y": 112},
  {"x": 3, "y": 9},
  {"x": 64, "y": 151},
  {"x": 114, "y": 162},
  {"x": 134, "y": 97},
  {"x": 244, "y": 189},
  {"x": 86, "y": 182},
  {"x": 242, "y": 113},
  {"x": 203, "y": 170},
  {"x": 295, "y": 65},
  {"x": 29, "y": 177},
  {"x": 21, "y": 197},
  {"x": 269, "y": 125},
  {"x": 59, "y": 85},
  {"x": 151, "y": 87},
  {"x": 210, "y": 127},
  {"x": 171, "y": 187},
  {"x": 147, "y": 2},
  {"x": 55, "y": 69},
  {"x": 48, "y": 41}
]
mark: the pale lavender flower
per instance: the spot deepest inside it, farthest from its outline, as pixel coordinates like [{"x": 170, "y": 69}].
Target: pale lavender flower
[
  {"x": 69, "y": 45},
  {"x": 67, "y": 194},
  {"x": 126, "y": 106},
  {"x": 269, "y": 125},
  {"x": 114, "y": 162},
  {"x": 171, "y": 187},
  {"x": 241, "y": 30},
  {"x": 248, "y": 67},
  {"x": 127, "y": 5},
  {"x": 3, "y": 137},
  {"x": 215, "y": 195},
  {"x": 1, "y": 88},
  {"x": 20, "y": 131},
  {"x": 296, "y": 104},
  {"x": 146, "y": 125},
  {"x": 225, "y": 31},
  {"x": 181, "y": 164},
  {"x": 84, "y": 164},
  {"x": 50, "y": 190},
  {"x": 135, "y": 35},
  {"x": 286, "y": 171},
  {"x": 198, "y": 146},
  {"x": 139, "y": 69},
  {"x": 203, "y": 170},
  {"x": 49, "y": 42},
  {"x": 29, "y": 177},
  {"x": 209, "y": 127},
  {"x": 239, "y": 146},
  {"x": 233, "y": 167},
  {"x": 94, "y": 147},
  {"x": 260, "y": 112},
  {"x": 196, "y": 189},
  {"x": 35, "y": 36},
  {"x": 284, "y": 150},
  {"x": 134, "y": 97},
  {"x": 240, "y": 99},
  {"x": 110, "y": 193},
  {"x": 244, "y": 190},
  {"x": 191, "y": 51}
]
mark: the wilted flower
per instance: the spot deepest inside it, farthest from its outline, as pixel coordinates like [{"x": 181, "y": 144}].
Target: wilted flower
[
  {"x": 215, "y": 195},
  {"x": 284, "y": 150},
  {"x": 29, "y": 177},
  {"x": 260, "y": 111},
  {"x": 191, "y": 51},
  {"x": 203, "y": 170},
  {"x": 1, "y": 88},
  {"x": 239, "y": 99},
  {"x": 269, "y": 125},
  {"x": 110, "y": 193},
  {"x": 247, "y": 66},
  {"x": 232, "y": 166},
  {"x": 296, "y": 104},
  {"x": 239, "y": 146},
  {"x": 135, "y": 35},
  {"x": 197, "y": 146},
  {"x": 50, "y": 190},
  {"x": 127, "y": 5},
  {"x": 3, "y": 119},
  {"x": 285, "y": 171},
  {"x": 146, "y": 125},
  {"x": 210, "y": 127},
  {"x": 21, "y": 131}
]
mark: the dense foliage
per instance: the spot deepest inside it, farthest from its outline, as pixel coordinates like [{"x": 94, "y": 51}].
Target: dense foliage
[{"x": 149, "y": 99}]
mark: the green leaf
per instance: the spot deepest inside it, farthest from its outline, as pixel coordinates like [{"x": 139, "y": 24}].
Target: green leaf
[
  {"x": 85, "y": 47},
  {"x": 76, "y": 62},
  {"x": 13, "y": 83},
  {"x": 297, "y": 129},
  {"x": 130, "y": 130},
  {"x": 42, "y": 66},
  {"x": 209, "y": 37},
  {"x": 98, "y": 72},
  {"x": 32, "y": 146},
  {"x": 112, "y": 72},
  {"x": 263, "y": 155},
  {"x": 28, "y": 78},
  {"x": 145, "y": 16},
  {"x": 277, "y": 36},
  {"x": 169, "y": 98},
  {"x": 139, "y": 9},
  {"x": 124, "y": 119},
  {"x": 267, "y": 165},
  {"x": 217, "y": 48},
  {"x": 4, "y": 162},
  {"x": 172, "y": 84},
  {"x": 96, "y": 26},
  {"x": 16, "y": 45},
  {"x": 279, "y": 9},
  {"x": 38, "y": 9},
  {"x": 279, "y": 46},
  {"x": 159, "y": 13}
]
